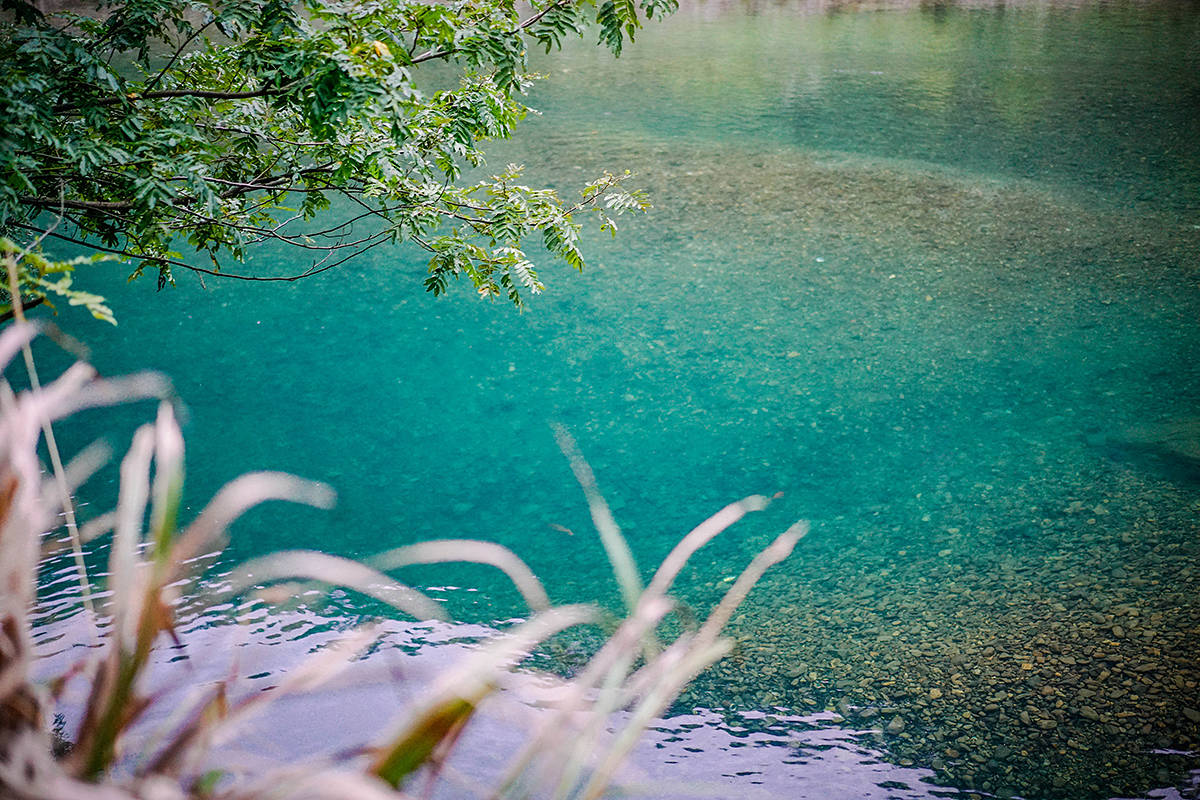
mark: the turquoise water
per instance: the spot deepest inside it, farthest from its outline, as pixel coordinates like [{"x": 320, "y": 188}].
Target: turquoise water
[{"x": 929, "y": 271}]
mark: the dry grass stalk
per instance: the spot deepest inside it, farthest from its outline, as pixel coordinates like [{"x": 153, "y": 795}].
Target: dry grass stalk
[{"x": 569, "y": 754}]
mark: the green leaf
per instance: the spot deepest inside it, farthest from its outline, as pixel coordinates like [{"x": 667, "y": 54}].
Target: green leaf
[{"x": 147, "y": 129}]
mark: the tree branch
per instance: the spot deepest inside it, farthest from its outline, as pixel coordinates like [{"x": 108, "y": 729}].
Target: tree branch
[
  {"x": 25, "y": 304},
  {"x": 67, "y": 108},
  {"x": 271, "y": 183},
  {"x": 178, "y": 52},
  {"x": 78, "y": 205},
  {"x": 214, "y": 273},
  {"x": 429, "y": 55}
]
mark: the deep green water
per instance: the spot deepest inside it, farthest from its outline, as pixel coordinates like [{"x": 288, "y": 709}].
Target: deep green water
[{"x": 931, "y": 272}]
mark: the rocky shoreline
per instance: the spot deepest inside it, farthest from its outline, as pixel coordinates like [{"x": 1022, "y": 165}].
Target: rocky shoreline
[{"x": 1065, "y": 668}]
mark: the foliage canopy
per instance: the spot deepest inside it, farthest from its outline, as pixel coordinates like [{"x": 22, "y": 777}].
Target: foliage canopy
[{"x": 146, "y": 128}]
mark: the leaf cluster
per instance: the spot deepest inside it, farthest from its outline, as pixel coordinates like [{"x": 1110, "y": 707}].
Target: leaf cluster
[
  {"x": 37, "y": 279},
  {"x": 178, "y": 134}
]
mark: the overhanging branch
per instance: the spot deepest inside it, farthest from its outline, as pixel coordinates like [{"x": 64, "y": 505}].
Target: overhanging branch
[{"x": 205, "y": 94}]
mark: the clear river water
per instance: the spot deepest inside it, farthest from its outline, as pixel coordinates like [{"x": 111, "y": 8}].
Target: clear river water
[{"x": 932, "y": 271}]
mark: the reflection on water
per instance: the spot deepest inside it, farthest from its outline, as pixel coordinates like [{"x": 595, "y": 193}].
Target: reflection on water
[
  {"x": 932, "y": 272},
  {"x": 701, "y": 754},
  {"x": 1095, "y": 95}
]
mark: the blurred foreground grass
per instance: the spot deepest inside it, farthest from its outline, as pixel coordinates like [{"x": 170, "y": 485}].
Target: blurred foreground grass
[{"x": 153, "y": 565}]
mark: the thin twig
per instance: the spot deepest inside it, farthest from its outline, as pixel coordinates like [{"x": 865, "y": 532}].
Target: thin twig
[
  {"x": 178, "y": 52},
  {"x": 60, "y": 477}
]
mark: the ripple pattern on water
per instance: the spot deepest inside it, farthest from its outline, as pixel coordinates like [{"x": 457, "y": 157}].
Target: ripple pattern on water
[{"x": 932, "y": 272}]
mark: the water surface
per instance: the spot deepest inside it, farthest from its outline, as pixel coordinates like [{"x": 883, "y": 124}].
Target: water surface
[{"x": 930, "y": 271}]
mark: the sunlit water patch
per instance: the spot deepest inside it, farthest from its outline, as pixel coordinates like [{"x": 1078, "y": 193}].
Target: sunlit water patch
[{"x": 930, "y": 272}]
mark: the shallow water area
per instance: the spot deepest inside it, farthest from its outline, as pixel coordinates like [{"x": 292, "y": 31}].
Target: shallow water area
[
  {"x": 701, "y": 754},
  {"x": 931, "y": 270}
]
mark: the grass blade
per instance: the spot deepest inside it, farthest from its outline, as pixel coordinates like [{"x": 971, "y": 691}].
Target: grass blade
[
  {"x": 446, "y": 550},
  {"x": 456, "y": 696},
  {"x": 701, "y": 535},
  {"x": 236, "y": 498},
  {"x": 615, "y": 546},
  {"x": 336, "y": 571},
  {"x": 13, "y": 339}
]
